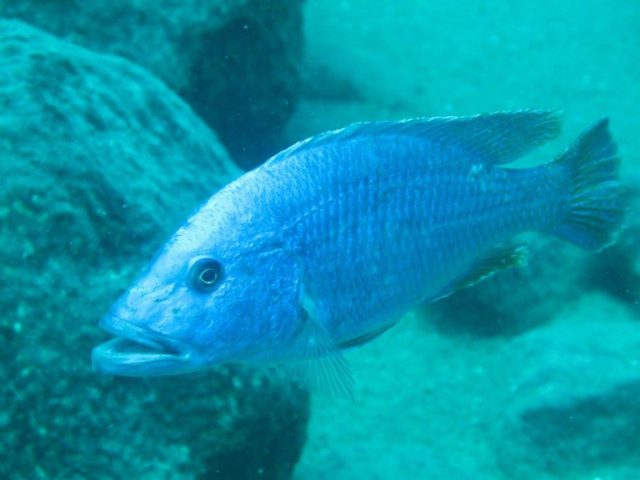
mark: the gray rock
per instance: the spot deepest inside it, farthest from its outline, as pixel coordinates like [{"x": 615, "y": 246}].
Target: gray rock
[
  {"x": 574, "y": 396},
  {"x": 235, "y": 61},
  {"x": 99, "y": 161}
]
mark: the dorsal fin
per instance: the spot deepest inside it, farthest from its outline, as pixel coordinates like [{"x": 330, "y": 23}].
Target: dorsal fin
[{"x": 493, "y": 137}]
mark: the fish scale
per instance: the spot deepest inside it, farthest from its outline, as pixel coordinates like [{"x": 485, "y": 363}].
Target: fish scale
[
  {"x": 454, "y": 205},
  {"x": 386, "y": 213}
]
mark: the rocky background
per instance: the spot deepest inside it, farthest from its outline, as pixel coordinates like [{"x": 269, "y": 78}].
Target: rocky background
[
  {"x": 99, "y": 162},
  {"x": 119, "y": 117},
  {"x": 236, "y": 62}
]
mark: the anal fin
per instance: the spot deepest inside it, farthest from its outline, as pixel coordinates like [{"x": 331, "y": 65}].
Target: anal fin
[{"x": 492, "y": 262}]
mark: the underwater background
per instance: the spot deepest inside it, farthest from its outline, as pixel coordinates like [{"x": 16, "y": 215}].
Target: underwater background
[{"x": 118, "y": 118}]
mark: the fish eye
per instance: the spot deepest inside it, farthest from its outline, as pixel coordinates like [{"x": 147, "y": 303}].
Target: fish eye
[{"x": 205, "y": 273}]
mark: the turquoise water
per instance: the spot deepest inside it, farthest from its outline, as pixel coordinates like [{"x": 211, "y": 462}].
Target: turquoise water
[{"x": 119, "y": 118}]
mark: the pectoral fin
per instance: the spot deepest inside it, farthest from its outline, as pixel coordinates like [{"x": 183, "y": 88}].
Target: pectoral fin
[
  {"x": 318, "y": 363},
  {"x": 492, "y": 262}
]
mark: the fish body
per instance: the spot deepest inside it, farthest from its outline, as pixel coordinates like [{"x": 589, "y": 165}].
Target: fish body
[{"x": 328, "y": 243}]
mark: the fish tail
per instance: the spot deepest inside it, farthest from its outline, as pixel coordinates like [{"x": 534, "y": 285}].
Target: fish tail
[{"x": 595, "y": 212}]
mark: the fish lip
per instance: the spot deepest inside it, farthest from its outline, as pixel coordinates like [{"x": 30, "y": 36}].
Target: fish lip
[
  {"x": 157, "y": 354},
  {"x": 121, "y": 328}
]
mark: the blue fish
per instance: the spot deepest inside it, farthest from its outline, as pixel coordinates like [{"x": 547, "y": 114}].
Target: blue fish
[{"x": 327, "y": 244}]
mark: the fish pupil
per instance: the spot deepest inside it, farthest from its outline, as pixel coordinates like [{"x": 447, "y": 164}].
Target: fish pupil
[
  {"x": 205, "y": 274},
  {"x": 208, "y": 276}
]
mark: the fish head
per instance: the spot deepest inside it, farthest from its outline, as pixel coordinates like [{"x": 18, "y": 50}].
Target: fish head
[{"x": 218, "y": 292}]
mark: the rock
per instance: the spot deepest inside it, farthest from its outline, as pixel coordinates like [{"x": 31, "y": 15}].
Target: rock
[
  {"x": 574, "y": 396},
  {"x": 99, "y": 161},
  {"x": 96, "y": 148},
  {"x": 235, "y": 61},
  {"x": 517, "y": 299}
]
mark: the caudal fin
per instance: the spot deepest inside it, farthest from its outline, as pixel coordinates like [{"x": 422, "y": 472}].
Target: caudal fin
[{"x": 595, "y": 212}]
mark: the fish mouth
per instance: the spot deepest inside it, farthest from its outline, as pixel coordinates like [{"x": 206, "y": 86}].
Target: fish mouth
[{"x": 139, "y": 352}]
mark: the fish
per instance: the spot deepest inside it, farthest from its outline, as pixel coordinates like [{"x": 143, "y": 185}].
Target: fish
[{"x": 327, "y": 244}]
